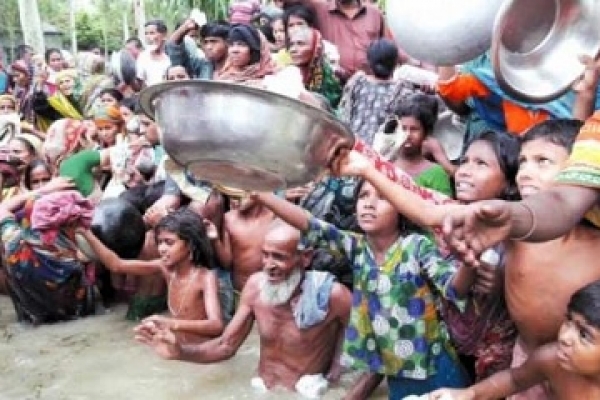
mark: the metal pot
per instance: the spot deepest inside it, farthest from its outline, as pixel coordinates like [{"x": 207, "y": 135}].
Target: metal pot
[
  {"x": 442, "y": 32},
  {"x": 537, "y": 44},
  {"x": 243, "y": 137}
]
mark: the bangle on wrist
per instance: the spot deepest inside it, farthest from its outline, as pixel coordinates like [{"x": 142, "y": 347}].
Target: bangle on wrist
[{"x": 533, "y": 223}]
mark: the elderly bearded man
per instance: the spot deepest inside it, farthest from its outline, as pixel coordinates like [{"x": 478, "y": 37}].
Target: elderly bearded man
[{"x": 300, "y": 331}]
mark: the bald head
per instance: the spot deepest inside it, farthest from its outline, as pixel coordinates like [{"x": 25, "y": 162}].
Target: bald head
[{"x": 282, "y": 232}]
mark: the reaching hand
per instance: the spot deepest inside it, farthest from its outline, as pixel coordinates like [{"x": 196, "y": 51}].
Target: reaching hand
[
  {"x": 160, "y": 337},
  {"x": 472, "y": 230},
  {"x": 349, "y": 163},
  {"x": 452, "y": 394},
  {"x": 590, "y": 77}
]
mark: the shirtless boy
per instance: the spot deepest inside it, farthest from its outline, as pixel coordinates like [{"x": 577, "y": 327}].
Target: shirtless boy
[
  {"x": 239, "y": 247},
  {"x": 287, "y": 353},
  {"x": 571, "y": 365},
  {"x": 540, "y": 277},
  {"x": 184, "y": 263}
]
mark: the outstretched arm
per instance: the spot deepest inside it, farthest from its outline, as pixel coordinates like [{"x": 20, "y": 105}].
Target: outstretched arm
[
  {"x": 116, "y": 264},
  {"x": 289, "y": 212}
]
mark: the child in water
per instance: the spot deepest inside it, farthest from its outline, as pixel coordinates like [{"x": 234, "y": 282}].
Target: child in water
[{"x": 185, "y": 264}]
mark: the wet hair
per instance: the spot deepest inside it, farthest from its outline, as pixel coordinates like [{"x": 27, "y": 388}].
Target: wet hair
[
  {"x": 136, "y": 41},
  {"x": 28, "y": 145},
  {"x": 33, "y": 165},
  {"x": 586, "y": 302},
  {"x": 189, "y": 227},
  {"x": 51, "y": 51},
  {"x": 219, "y": 29},
  {"x": 382, "y": 55},
  {"x": 561, "y": 132},
  {"x": 114, "y": 93},
  {"x": 506, "y": 147},
  {"x": 423, "y": 107},
  {"x": 160, "y": 25}
]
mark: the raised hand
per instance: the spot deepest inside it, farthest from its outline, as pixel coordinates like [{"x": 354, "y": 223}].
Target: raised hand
[
  {"x": 473, "y": 229},
  {"x": 589, "y": 80}
]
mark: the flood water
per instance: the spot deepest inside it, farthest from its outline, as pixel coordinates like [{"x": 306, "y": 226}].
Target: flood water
[{"x": 96, "y": 358}]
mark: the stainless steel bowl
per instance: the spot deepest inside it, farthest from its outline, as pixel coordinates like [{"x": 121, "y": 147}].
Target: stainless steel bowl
[
  {"x": 243, "y": 137},
  {"x": 537, "y": 44},
  {"x": 442, "y": 32}
]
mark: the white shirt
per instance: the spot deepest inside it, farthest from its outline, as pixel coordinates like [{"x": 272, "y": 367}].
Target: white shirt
[{"x": 151, "y": 70}]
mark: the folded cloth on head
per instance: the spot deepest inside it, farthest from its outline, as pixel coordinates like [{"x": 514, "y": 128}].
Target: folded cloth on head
[
  {"x": 313, "y": 304},
  {"x": 56, "y": 210}
]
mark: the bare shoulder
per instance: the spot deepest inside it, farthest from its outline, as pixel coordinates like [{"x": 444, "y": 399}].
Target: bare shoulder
[
  {"x": 251, "y": 291},
  {"x": 340, "y": 301}
]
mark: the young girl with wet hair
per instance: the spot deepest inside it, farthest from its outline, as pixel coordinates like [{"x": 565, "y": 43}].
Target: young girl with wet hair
[{"x": 186, "y": 265}]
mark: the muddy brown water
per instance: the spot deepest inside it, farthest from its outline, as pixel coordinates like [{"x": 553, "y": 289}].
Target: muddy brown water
[{"x": 96, "y": 358}]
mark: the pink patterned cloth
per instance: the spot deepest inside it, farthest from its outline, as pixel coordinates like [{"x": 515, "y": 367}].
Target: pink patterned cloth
[{"x": 56, "y": 210}]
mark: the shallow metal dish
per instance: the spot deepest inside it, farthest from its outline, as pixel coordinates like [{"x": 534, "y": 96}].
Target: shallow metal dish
[
  {"x": 243, "y": 137},
  {"x": 537, "y": 43},
  {"x": 442, "y": 32}
]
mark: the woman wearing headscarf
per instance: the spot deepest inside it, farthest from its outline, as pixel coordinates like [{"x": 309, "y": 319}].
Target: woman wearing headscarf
[
  {"x": 249, "y": 58},
  {"x": 21, "y": 75},
  {"x": 62, "y": 104},
  {"x": 306, "y": 50}
]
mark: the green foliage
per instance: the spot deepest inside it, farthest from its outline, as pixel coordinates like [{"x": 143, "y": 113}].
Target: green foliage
[{"x": 89, "y": 32}]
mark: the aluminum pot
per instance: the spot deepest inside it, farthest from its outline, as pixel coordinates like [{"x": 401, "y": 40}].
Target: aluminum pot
[
  {"x": 243, "y": 137},
  {"x": 442, "y": 32},
  {"x": 537, "y": 44}
]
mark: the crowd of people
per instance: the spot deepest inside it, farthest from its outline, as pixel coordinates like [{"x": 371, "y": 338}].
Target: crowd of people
[{"x": 468, "y": 278}]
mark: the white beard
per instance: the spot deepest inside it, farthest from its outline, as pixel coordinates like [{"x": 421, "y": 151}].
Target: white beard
[{"x": 279, "y": 293}]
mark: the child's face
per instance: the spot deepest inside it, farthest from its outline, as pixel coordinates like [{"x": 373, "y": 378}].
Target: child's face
[
  {"x": 539, "y": 163},
  {"x": 579, "y": 346},
  {"x": 107, "y": 100},
  {"x": 39, "y": 176},
  {"x": 279, "y": 33},
  {"x": 107, "y": 133},
  {"x": 172, "y": 250},
  {"x": 374, "y": 213},
  {"x": 479, "y": 176},
  {"x": 414, "y": 135}
]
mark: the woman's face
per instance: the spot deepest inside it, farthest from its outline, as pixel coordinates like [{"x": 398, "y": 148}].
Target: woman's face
[
  {"x": 279, "y": 33},
  {"x": 19, "y": 150},
  {"x": 39, "y": 176},
  {"x": 107, "y": 134},
  {"x": 239, "y": 54},
  {"x": 107, "y": 100},
  {"x": 126, "y": 113},
  {"x": 20, "y": 78},
  {"x": 177, "y": 73},
  {"x": 66, "y": 85},
  {"x": 7, "y": 107},
  {"x": 301, "y": 47},
  {"x": 294, "y": 22},
  {"x": 56, "y": 61},
  {"x": 479, "y": 176}
]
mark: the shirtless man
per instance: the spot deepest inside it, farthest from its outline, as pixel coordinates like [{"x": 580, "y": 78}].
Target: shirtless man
[
  {"x": 185, "y": 253},
  {"x": 287, "y": 353},
  {"x": 239, "y": 247}
]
